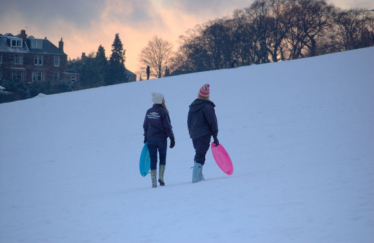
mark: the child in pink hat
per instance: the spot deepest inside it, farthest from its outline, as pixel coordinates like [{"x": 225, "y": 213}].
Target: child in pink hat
[{"x": 202, "y": 125}]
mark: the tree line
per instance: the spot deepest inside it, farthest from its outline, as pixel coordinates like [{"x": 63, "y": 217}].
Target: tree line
[
  {"x": 272, "y": 31},
  {"x": 266, "y": 31},
  {"x": 96, "y": 70}
]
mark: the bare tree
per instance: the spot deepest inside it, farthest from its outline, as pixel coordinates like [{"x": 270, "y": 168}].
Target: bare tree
[
  {"x": 244, "y": 37},
  {"x": 355, "y": 28},
  {"x": 273, "y": 30},
  {"x": 156, "y": 55},
  {"x": 259, "y": 26}
]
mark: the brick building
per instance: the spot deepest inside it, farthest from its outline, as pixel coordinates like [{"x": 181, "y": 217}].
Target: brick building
[{"x": 33, "y": 60}]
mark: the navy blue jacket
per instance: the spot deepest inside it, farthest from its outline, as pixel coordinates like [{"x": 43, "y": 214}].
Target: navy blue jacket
[
  {"x": 202, "y": 119},
  {"x": 157, "y": 123}
]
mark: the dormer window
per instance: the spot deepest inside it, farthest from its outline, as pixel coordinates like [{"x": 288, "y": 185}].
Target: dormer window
[
  {"x": 37, "y": 44},
  {"x": 16, "y": 42}
]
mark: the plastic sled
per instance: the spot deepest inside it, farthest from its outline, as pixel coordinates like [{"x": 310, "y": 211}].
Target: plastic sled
[
  {"x": 145, "y": 161},
  {"x": 222, "y": 158}
]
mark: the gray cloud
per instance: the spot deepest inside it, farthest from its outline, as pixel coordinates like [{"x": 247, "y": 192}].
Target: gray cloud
[
  {"x": 350, "y": 4},
  {"x": 214, "y": 8},
  {"x": 78, "y": 14},
  {"x": 46, "y": 13},
  {"x": 135, "y": 14},
  {"x": 220, "y": 8}
]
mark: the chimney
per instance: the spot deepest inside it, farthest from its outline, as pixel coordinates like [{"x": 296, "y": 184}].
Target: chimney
[
  {"x": 83, "y": 56},
  {"x": 61, "y": 45},
  {"x": 23, "y": 35}
]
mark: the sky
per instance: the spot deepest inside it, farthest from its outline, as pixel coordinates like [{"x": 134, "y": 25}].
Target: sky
[{"x": 85, "y": 25}]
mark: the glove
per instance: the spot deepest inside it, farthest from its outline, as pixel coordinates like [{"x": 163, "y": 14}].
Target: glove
[
  {"x": 216, "y": 140},
  {"x": 172, "y": 143},
  {"x": 145, "y": 139}
]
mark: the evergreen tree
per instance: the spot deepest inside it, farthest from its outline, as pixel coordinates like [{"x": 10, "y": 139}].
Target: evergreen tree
[
  {"x": 117, "y": 63},
  {"x": 101, "y": 65},
  {"x": 88, "y": 73}
]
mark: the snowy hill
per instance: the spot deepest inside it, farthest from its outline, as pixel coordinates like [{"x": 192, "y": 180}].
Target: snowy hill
[{"x": 300, "y": 134}]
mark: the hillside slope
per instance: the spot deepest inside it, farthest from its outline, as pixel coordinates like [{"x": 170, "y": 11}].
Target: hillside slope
[{"x": 300, "y": 134}]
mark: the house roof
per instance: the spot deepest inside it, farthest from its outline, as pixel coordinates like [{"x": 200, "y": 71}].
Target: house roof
[
  {"x": 5, "y": 46},
  {"x": 128, "y": 72},
  {"x": 47, "y": 46}
]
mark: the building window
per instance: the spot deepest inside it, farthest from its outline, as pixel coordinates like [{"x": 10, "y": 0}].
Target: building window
[
  {"x": 20, "y": 76},
  {"x": 73, "y": 78},
  {"x": 38, "y": 60},
  {"x": 1, "y": 58},
  {"x": 37, "y": 44},
  {"x": 56, "y": 76},
  {"x": 17, "y": 75},
  {"x": 18, "y": 59},
  {"x": 16, "y": 42},
  {"x": 57, "y": 61},
  {"x": 37, "y": 76}
]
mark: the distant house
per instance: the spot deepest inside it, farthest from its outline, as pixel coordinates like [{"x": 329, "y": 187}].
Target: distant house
[
  {"x": 30, "y": 59},
  {"x": 131, "y": 76}
]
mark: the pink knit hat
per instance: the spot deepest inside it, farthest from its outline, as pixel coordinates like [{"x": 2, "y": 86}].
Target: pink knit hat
[{"x": 204, "y": 92}]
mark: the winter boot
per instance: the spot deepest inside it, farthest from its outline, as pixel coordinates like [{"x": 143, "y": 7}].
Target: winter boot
[
  {"x": 154, "y": 178},
  {"x": 161, "y": 175},
  {"x": 201, "y": 174},
  {"x": 197, "y": 172}
]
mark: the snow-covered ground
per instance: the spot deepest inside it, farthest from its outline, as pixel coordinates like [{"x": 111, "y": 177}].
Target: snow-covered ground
[{"x": 300, "y": 134}]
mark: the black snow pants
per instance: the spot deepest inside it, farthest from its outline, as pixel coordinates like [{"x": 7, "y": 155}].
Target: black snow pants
[{"x": 201, "y": 146}]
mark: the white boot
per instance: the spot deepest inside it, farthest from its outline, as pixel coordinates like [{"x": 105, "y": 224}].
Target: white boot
[
  {"x": 201, "y": 174},
  {"x": 197, "y": 172}
]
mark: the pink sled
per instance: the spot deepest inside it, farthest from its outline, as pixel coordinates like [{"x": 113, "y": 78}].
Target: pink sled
[{"x": 222, "y": 158}]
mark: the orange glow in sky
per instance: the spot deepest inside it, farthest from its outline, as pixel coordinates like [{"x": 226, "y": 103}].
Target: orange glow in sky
[{"x": 84, "y": 25}]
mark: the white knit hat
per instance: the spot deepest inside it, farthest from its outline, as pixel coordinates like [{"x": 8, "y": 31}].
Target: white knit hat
[{"x": 157, "y": 98}]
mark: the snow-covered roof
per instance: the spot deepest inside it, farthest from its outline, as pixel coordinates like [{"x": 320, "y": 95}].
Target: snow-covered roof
[{"x": 4, "y": 46}]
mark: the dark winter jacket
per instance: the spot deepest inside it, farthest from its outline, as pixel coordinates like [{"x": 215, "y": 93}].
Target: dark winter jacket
[
  {"x": 202, "y": 119},
  {"x": 157, "y": 123}
]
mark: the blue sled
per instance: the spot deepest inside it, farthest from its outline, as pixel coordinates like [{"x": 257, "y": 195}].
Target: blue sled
[{"x": 145, "y": 161}]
